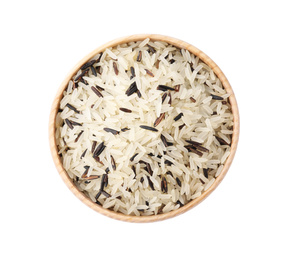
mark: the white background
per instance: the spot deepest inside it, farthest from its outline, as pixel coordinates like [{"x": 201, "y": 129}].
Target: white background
[{"x": 251, "y": 215}]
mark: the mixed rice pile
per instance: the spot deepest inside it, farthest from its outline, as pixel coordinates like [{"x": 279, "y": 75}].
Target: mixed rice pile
[{"x": 143, "y": 128}]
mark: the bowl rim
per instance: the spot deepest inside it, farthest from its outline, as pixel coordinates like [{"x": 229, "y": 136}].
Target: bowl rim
[{"x": 152, "y": 218}]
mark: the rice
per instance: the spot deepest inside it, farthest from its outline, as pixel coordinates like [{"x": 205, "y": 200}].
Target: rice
[{"x": 144, "y": 128}]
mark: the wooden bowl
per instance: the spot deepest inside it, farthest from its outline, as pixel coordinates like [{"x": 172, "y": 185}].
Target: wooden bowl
[{"x": 191, "y": 204}]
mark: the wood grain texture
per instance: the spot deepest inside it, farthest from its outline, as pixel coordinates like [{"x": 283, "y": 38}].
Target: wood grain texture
[{"x": 120, "y": 216}]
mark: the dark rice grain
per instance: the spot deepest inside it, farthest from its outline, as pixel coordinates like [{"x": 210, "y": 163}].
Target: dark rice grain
[
  {"x": 178, "y": 181},
  {"x": 193, "y": 99},
  {"x": 78, "y": 77},
  {"x": 97, "y": 196},
  {"x": 205, "y": 173},
  {"x": 98, "y": 69},
  {"x": 96, "y": 91},
  {"x": 179, "y": 203},
  {"x": 110, "y": 130},
  {"x": 157, "y": 64},
  {"x": 92, "y": 177},
  {"x": 104, "y": 181},
  {"x": 164, "y": 88},
  {"x": 106, "y": 194},
  {"x": 113, "y": 164},
  {"x": 115, "y": 68},
  {"x": 216, "y": 97},
  {"x": 193, "y": 142},
  {"x": 132, "y": 70},
  {"x": 221, "y": 141},
  {"x": 139, "y": 56},
  {"x": 72, "y": 108},
  {"x": 150, "y": 183},
  {"x": 96, "y": 158},
  {"x": 138, "y": 93},
  {"x": 93, "y": 71},
  {"x": 148, "y": 128},
  {"x": 178, "y": 116},
  {"x": 78, "y": 136},
  {"x": 198, "y": 146},
  {"x": 167, "y": 162},
  {"x": 164, "y": 140},
  {"x": 164, "y": 186},
  {"x": 193, "y": 150},
  {"x": 83, "y": 154},
  {"x": 149, "y": 73},
  {"x": 132, "y": 89},
  {"x": 69, "y": 123},
  {"x": 99, "y": 88},
  {"x": 87, "y": 65},
  {"x": 159, "y": 119},
  {"x": 169, "y": 173},
  {"x": 126, "y": 110},
  {"x": 164, "y": 97},
  {"x": 170, "y": 99},
  {"x": 99, "y": 58},
  {"x": 100, "y": 148},
  {"x": 125, "y": 129},
  {"x": 201, "y": 148},
  {"x": 75, "y": 123},
  {"x": 93, "y": 146},
  {"x": 85, "y": 172},
  {"x": 134, "y": 170},
  {"x": 151, "y": 49},
  {"x": 191, "y": 66},
  {"x": 181, "y": 126},
  {"x": 84, "y": 81},
  {"x": 149, "y": 169}
]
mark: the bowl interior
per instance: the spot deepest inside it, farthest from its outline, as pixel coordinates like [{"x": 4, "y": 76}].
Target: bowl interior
[{"x": 118, "y": 215}]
